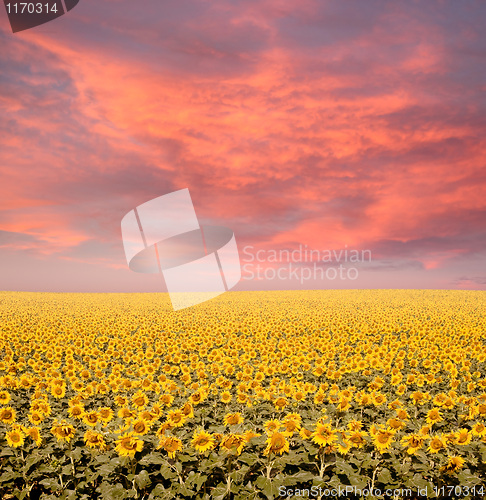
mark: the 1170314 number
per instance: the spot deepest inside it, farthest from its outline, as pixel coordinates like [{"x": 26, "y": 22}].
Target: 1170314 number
[{"x": 30, "y": 8}]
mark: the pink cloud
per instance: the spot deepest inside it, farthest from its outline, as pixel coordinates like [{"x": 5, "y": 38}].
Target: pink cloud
[{"x": 320, "y": 125}]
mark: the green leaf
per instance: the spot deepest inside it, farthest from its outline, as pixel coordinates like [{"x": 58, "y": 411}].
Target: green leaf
[
  {"x": 248, "y": 458},
  {"x": 342, "y": 466},
  {"x": 20, "y": 495},
  {"x": 33, "y": 459},
  {"x": 153, "y": 459},
  {"x": 8, "y": 476},
  {"x": 219, "y": 492},
  {"x": 358, "y": 480},
  {"x": 303, "y": 476},
  {"x": 268, "y": 488},
  {"x": 110, "y": 492},
  {"x": 142, "y": 479},
  {"x": 159, "y": 492},
  {"x": 182, "y": 488},
  {"x": 467, "y": 479},
  {"x": 76, "y": 453},
  {"x": 68, "y": 495},
  {"x": 167, "y": 473},
  {"x": 51, "y": 484},
  {"x": 195, "y": 479},
  {"x": 106, "y": 469},
  {"x": 384, "y": 476}
]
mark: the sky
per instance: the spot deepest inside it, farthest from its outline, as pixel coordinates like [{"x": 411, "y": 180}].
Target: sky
[{"x": 327, "y": 125}]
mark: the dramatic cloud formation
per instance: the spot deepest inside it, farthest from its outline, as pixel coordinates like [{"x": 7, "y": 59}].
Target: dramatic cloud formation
[{"x": 318, "y": 123}]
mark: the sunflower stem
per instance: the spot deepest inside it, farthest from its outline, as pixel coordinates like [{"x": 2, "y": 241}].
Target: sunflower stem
[
  {"x": 373, "y": 479},
  {"x": 269, "y": 466},
  {"x": 71, "y": 458},
  {"x": 323, "y": 466}
]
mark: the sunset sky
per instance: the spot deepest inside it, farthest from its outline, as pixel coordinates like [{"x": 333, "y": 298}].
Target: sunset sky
[{"x": 330, "y": 124}]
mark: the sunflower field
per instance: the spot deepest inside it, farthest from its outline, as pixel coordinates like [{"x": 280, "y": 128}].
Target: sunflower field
[{"x": 250, "y": 395}]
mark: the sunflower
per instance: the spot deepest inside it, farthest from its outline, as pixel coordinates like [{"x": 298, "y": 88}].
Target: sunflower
[
  {"x": 277, "y": 444},
  {"x": 383, "y": 439},
  {"x": 324, "y": 435},
  {"x": 413, "y": 443},
  {"x": 401, "y": 389},
  {"x": 233, "y": 419},
  {"x": 343, "y": 406},
  {"x": 482, "y": 409},
  {"x": 76, "y": 411},
  {"x": 58, "y": 390},
  {"x": 451, "y": 438},
  {"x": 45, "y": 408},
  {"x": 293, "y": 417},
  {"x": 166, "y": 399},
  {"x": 419, "y": 398},
  {"x": 188, "y": 410},
  {"x": 344, "y": 447},
  {"x": 162, "y": 429},
  {"x": 128, "y": 444},
  {"x": 4, "y": 397},
  {"x": 479, "y": 429},
  {"x": 156, "y": 411},
  {"x": 453, "y": 465},
  {"x": 202, "y": 441},
  {"x": 126, "y": 413},
  {"x": 94, "y": 440},
  {"x": 291, "y": 426},
  {"x": 120, "y": 401},
  {"x": 34, "y": 434},
  {"x": 280, "y": 403},
  {"x": 15, "y": 438},
  {"x": 146, "y": 415},
  {"x": 196, "y": 397},
  {"x": 250, "y": 435},
  {"x": 63, "y": 431},
  {"x": 170, "y": 444},
  {"x": 105, "y": 414},
  {"x": 355, "y": 425},
  {"x": 437, "y": 443},
  {"x": 299, "y": 396},
  {"x": 140, "y": 400},
  {"x": 434, "y": 416},
  {"x": 402, "y": 414},
  {"x": 140, "y": 427},
  {"x": 91, "y": 418},
  {"x": 36, "y": 417},
  {"x": 395, "y": 423},
  {"x": 233, "y": 443},
  {"x": 464, "y": 437},
  {"x": 378, "y": 398},
  {"x": 242, "y": 397},
  {"x": 226, "y": 397},
  {"x": 7, "y": 415},
  {"x": 357, "y": 439},
  {"x": 272, "y": 426},
  {"x": 176, "y": 418}
]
